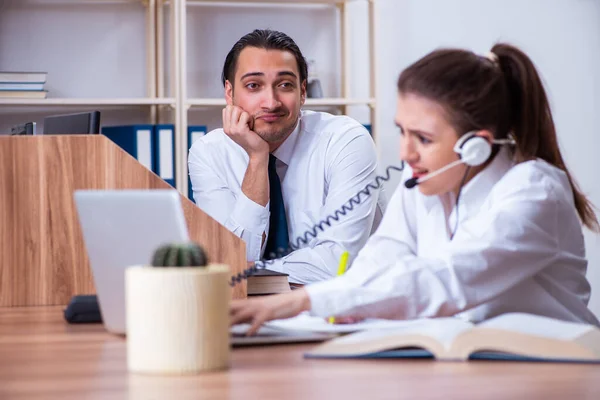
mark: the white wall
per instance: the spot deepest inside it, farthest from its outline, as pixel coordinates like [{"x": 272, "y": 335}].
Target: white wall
[
  {"x": 97, "y": 50},
  {"x": 212, "y": 31},
  {"x": 561, "y": 36},
  {"x": 89, "y": 49}
]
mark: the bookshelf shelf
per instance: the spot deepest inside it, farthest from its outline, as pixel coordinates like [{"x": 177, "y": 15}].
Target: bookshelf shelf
[
  {"x": 340, "y": 102},
  {"x": 88, "y": 102},
  {"x": 332, "y": 102},
  {"x": 278, "y": 2}
]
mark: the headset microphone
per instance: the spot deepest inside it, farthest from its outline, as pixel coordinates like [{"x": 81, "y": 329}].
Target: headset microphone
[
  {"x": 473, "y": 150},
  {"x": 412, "y": 182}
]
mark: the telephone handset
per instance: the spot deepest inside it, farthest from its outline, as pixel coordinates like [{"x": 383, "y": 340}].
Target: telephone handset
[{"x": 320, "y": 226}]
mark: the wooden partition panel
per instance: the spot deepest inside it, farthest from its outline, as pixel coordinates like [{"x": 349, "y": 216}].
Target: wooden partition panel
[{"x": 42, "y": 254}]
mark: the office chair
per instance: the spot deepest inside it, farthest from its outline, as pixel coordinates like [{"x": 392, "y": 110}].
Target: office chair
[{"x": 73, "y": 124}]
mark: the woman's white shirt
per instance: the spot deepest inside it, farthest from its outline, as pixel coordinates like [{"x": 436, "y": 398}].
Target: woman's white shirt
[{"x": 518, "y": 246}]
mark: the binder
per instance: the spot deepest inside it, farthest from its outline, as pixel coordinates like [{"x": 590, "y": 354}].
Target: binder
[
  {"x": 164, "y": 155},
  {"x": 194, "y": 133},
  {"x": 135, "y": 140}
]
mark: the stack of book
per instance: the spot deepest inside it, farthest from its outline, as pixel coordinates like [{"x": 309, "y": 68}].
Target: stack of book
[
  {"x": 265, "y": 281},
  {"x": 23, "y": 85}
]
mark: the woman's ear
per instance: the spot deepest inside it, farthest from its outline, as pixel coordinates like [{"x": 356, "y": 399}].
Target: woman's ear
[{"x": 487, "y": 135}]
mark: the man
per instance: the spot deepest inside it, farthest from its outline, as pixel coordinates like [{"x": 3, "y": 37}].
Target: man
[{"x": 274, "y": 172}]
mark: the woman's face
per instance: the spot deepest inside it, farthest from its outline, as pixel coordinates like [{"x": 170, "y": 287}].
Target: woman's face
[{"x": 427, "y": 142}]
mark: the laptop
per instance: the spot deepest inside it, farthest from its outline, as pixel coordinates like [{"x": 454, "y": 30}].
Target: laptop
[{"x": 123, "y": 228}]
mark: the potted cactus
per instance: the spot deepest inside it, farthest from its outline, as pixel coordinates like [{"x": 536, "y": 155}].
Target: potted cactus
[
  {"x": 177, "y": 312},
  {"x": 188, "y": 254}
]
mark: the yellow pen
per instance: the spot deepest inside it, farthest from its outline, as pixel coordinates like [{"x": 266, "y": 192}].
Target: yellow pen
[{"x": 340, "y": 272}]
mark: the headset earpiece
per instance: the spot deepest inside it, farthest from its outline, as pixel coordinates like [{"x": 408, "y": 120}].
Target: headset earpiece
[{"x": 472, "y": 149}]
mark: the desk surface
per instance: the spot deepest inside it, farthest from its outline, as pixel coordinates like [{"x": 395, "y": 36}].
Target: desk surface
[{"x": 42, "y": 357}]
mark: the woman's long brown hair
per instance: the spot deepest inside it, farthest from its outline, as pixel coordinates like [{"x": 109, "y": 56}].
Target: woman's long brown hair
[{"x": 502, "y": 93}]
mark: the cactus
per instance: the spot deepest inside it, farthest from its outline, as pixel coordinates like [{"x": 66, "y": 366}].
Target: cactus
[{"x": 189, "y": 254}]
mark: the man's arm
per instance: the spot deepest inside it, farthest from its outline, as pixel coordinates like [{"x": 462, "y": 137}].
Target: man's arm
[
  {"x": 256, "y": 181},
  {"x": 240, "y": 215},
  {"x": 246, "y": 216},
  {"x": 253, "y": 186},
  {"x": 236, "y": 125}
]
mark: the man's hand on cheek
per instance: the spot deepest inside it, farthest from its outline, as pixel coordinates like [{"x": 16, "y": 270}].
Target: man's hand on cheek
[{"x": 238, "y": 124}]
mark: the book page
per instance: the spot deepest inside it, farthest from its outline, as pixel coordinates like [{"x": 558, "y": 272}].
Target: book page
[
  {"x": 443, "y": 330},
  {"x": 305, "y": 322},
  {"x": 537, "y": 325}
]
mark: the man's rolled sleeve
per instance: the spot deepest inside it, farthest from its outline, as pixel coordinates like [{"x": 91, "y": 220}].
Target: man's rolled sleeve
[{"x": 250, "y": 216}]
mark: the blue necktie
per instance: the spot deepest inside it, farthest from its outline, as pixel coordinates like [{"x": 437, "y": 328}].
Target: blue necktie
[{"x": 278, "y": 240}]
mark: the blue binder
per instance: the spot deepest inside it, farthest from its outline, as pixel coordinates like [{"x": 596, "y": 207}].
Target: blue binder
[
  {"x": 164, "y": 156},
  {"x": 194, "y": 133},
  {"x": 135, "y": 140}
]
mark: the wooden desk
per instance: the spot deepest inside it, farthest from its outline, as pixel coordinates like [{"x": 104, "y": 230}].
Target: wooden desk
[{"x": 41, "y": 357}]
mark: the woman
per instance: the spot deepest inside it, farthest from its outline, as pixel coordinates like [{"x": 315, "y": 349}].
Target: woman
[{"x": 498, "y": 231}]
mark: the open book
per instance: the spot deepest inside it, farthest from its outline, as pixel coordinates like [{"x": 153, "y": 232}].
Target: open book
[{"x": 515, "y": 336}]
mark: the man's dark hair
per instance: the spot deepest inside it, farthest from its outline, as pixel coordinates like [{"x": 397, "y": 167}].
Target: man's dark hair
[{"x": 263, "y": 39}]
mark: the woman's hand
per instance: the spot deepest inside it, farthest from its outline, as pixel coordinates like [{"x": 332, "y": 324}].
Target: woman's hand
[{"x": 259, "y": 310}]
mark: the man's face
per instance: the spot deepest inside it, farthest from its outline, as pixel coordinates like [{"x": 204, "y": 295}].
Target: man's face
[{"x": 267, "y": 86}]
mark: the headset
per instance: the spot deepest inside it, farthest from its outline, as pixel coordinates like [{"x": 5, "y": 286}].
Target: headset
[{"x": 473, "y": 150}]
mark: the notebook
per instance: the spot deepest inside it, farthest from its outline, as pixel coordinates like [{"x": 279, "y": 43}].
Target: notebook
[
  {"x": 514, "y": 336},
  {"x": 265, "y": 281}
]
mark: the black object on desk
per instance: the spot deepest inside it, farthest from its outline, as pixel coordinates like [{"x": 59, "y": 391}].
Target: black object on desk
[
  {"x": 73, "y": 124},
  {"x": 27, "y": 128},
  {"x": 83, "y": 309}
]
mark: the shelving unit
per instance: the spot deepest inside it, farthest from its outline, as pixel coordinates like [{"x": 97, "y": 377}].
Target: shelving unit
[
  {"x": 184, "y": 103},
  {"x": 151, "y": 98},
  {"x": 322, "y": 102},
  {"x": 177, "y": 104},
  {"x": 88, "y": 102}
]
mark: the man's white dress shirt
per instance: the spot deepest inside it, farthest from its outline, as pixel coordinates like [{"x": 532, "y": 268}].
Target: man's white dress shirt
[
  {"x": 324, "y": 162},
  {"x": 518, "y": 247}
]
